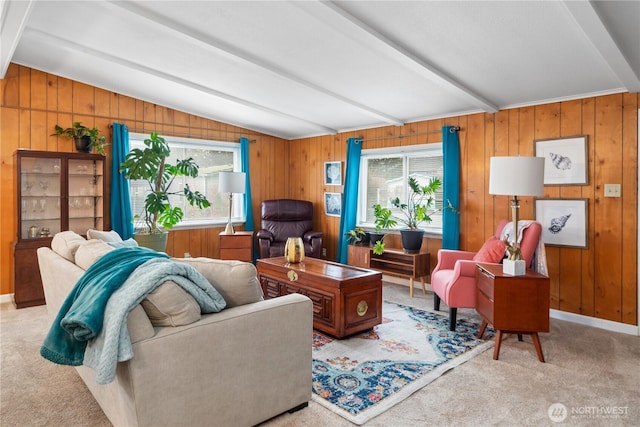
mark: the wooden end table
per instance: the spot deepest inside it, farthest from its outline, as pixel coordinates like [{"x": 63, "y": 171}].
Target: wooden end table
[
  {"x": 237, "y": 246},
  {"x": 346, "y": 299},
  {"x": 512, "y": 304}
]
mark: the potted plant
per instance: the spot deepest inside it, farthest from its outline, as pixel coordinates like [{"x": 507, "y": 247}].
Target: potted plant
[
  {"x": 150, "y": 164},
  {"x": 84, "y": 137},
  {"x": 357, "y": 236},
  {"x": 384, "y": 220},
  {"x": 420, "y": 204}
]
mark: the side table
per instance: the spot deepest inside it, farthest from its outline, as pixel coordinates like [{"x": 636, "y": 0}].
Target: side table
[
  {"x": 237, "y": 246},
  {"x": 512, "y": 304}
]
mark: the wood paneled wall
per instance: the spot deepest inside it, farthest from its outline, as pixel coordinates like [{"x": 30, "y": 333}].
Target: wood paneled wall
[
  {"x": 600, "y": 281},
  {"x": 33, "y": 102}
]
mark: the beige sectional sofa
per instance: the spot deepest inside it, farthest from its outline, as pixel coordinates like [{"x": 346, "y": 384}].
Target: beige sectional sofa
[{"x": 239, "y": 367}]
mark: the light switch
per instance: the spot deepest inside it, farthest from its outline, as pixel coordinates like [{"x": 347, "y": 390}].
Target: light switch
[{"x": 612, "y": 190}]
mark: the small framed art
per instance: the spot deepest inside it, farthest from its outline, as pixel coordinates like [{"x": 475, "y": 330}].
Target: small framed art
[
  {"x": 565, "y": 160},
  {"x": 333, "y": 204},
  {"x": 332, "y": 173},
  {"x": 564, "y": 221}
]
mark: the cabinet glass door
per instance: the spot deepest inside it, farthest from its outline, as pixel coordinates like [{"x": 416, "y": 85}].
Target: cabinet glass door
[
  {"x": 85, "y": 195},
  {"x": 40, "y": 197}
]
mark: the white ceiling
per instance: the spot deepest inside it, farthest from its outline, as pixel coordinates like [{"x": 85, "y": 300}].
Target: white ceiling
[{"x": 294, "y": 69}]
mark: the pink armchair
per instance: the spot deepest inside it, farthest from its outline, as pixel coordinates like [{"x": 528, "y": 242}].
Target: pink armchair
[{"x": 454, "y": 278}]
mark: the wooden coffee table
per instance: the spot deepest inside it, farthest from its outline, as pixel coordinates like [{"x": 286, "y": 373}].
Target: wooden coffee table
[{"x": 346, "y": 299}]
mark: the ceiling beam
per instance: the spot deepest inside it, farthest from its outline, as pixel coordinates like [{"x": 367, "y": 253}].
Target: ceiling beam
[
  {"x": 247, "y": 57},
  {"x": 327, "y": 11},
  {"x": 587, "y": 18},
  {"x": 13, "y": 19},
  {"x": 61, "y": 43}
]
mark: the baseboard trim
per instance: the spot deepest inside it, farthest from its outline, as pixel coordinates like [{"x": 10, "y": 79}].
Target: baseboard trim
[
  {"x": 6, "y": 298},
  {"x": 609, "y": 325}
]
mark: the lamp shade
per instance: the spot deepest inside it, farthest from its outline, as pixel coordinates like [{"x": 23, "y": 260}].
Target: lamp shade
[
  {"x": 516, "y": 176},
  {"x": 232, "y": 182}
]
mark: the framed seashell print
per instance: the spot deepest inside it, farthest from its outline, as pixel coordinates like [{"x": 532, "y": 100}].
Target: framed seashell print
[
  {"x": 564, "y": 221},
  {"x": 565, "y": 160}
]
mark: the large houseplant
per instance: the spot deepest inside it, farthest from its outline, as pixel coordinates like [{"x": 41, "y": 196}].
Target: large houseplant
[
  {"x": 150, "y": 164},
  {"x": 84, "y": 137},
  {"x": 416, "y": 210}
]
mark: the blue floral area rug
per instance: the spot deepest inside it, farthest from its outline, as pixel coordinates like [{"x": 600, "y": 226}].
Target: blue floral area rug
[{"x": 362, "y": 376}]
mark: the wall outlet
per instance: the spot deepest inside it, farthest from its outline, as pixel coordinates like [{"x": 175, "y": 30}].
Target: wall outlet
[
  {"x": 187, "y": 255},
  {"x": 612, "y": 190},
  {"x": 324, "y": 251}
]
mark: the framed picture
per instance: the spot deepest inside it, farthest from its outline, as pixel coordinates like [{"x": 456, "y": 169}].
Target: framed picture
[
  {"x": 564, "y": 221},
  {"x": 332, "y": 173},
  {"x": 333, "y": 204},
  {"x": 565, "y": 160}
]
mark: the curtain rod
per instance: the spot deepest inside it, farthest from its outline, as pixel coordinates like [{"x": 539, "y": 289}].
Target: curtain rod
[
  {"x": 187, "y": 135},
  {"x": 401, "y": 136}
]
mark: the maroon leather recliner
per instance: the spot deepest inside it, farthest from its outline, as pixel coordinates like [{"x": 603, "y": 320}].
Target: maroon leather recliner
[{"x": 284, "y": 218}]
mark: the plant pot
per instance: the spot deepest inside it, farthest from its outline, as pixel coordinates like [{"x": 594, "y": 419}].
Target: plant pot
[
  {"x": 374, "y": 237},
  {"x": 155, "y": 241},
  {"x": 411, "y": 240},
  {"x": 83, "y": 144},
  {"x": 364, "y": 241}
]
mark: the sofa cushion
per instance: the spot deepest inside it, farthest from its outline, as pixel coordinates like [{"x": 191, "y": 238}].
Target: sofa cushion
[
  {"x": 493, "y": 250},
  {"x": 105, "y": 236},
  {"x": 90, "y": 251},
  {"x": 66, "y": 243},
  {"x": 170, "y": 305},
  {"x": 236, "y": 281}
]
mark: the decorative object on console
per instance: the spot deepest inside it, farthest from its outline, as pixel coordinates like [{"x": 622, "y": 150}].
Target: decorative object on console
[
  {"x": 516, "y": 176},
  {"x": 150, "y": 164},
  {"x": 231, "y": 182},
  {"x": 294, "y": 249}
]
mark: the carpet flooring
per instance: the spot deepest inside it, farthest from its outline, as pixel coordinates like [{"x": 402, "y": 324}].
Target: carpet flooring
[{"x": 590, "y": 371}]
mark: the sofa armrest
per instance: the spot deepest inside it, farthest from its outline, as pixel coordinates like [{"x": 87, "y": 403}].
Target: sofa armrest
[
  {"x": 447, "y": 258},
  {"x": 258, "y": 353},
  {"x": 265, "y": 234},
  {"x": 310, "y": 235}
]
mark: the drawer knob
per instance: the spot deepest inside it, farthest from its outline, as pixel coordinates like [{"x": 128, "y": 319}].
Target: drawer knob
[
  {"x": 362, "y": 308},
  {"x": 292, "y": 275}
]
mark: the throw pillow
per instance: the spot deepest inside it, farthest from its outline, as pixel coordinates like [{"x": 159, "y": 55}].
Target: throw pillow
[
  {"x": 236, "y": 281},
  {"x": 123, "y": 243},
  {"x": 90, "y": 251},
  {"x": 66, "y": 243},
  {"x": 170, "y": 305},
  {"x": 493, "y": 251},
  {"x": 105, "y": 236}
]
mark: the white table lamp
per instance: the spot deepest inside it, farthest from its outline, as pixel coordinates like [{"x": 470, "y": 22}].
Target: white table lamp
[
  {"x": 516, "y": 176},
  {"x": 231, "y": 182}
]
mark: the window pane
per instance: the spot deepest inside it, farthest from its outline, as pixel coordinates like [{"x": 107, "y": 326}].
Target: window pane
[
  {"x": 211, "y": 161},
  {"x": 384, "y": 182}
]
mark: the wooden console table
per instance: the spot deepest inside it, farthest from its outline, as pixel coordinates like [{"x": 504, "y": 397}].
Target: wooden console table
[
  {"x": 346, "y": 300},
  {"x": 512, "y": 304},
  {"x": 394, "y": 262}
]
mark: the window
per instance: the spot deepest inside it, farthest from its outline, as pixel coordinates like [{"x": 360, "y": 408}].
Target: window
[
  {"x": 384, "y": 174},
  {"x": 212, "y": 157}
]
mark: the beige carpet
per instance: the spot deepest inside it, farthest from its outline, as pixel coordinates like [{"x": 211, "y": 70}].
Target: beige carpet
[{"x": 590, "y": 371}]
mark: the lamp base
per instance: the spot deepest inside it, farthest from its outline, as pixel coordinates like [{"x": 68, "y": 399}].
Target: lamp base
[
  {"x": 229, "y": 229},
  {"x": 514, "y": 268}
]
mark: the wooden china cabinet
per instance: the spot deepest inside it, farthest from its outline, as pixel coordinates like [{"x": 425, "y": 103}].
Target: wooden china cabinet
[{"x": 56, "y": 192}]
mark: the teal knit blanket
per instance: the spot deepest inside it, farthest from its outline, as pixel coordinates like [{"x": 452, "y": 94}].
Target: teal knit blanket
[{"x": 81, "y": 315}]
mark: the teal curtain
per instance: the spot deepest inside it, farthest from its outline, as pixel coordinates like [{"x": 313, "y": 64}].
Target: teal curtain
[
  {"x": 121, "y": 217},
  {"x": 451, "y": 188},
  {"x": 244, "y": 167},
  {"x": 349, "y": 196}
]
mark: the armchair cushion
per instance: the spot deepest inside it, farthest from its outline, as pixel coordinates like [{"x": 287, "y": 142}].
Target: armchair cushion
[{"x": 492, "y": 251}]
